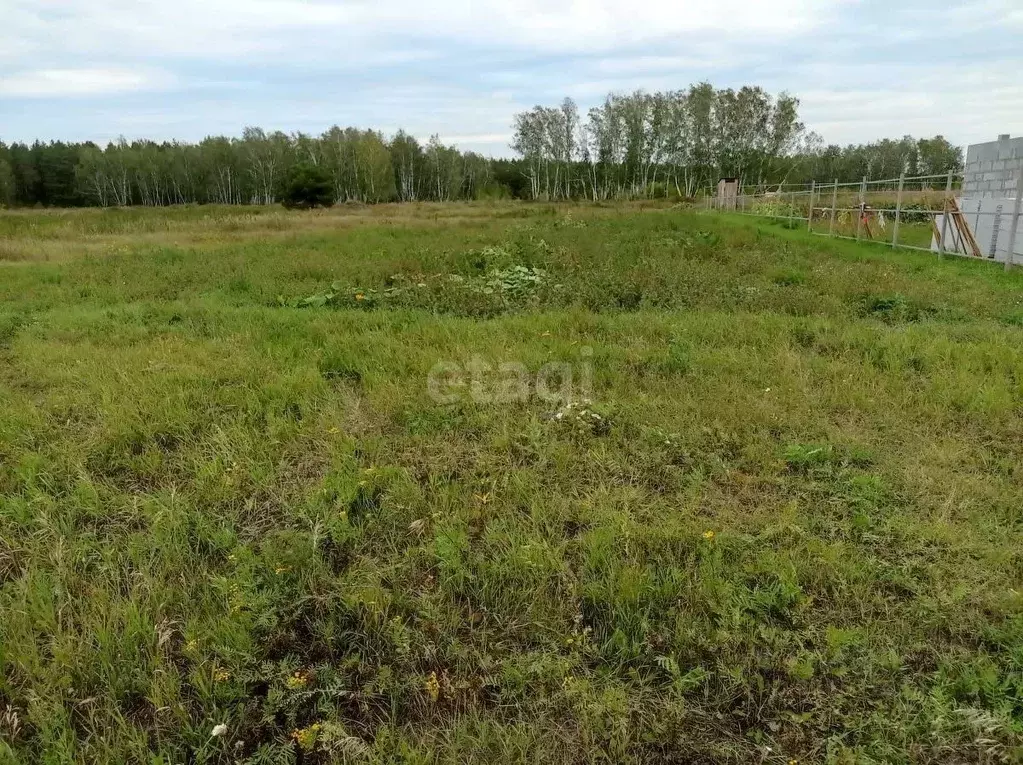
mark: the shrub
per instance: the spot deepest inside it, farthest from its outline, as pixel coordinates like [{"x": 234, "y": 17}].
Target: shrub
[{"x": 307, "y": 185}]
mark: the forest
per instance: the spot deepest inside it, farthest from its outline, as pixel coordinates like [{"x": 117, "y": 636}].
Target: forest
[{"x": 635, "y": 145}]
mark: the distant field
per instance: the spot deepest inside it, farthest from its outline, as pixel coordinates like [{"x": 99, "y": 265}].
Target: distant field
[{"x": 262, "y": 470}]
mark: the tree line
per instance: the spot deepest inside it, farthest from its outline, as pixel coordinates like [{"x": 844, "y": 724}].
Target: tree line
[
  {"x": 633, "y": 145},
  {"x": 676, "y": 143},
  {"x": 648, "y": 144},
  {"x": 363, "y": 166}
]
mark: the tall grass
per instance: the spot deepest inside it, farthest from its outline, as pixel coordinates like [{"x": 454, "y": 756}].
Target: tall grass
[{"x": 797, "y": 538}]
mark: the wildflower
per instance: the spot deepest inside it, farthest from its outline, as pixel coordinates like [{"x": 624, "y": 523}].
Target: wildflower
[
  {"x": 191, "y": 645},
  {"x": 708, "y": 535},
  {"x": 433, "y": 687},
  {"x": 359, "y": 296},
  {"x": 219, "y": 730},
  {"x": 298, "y": 680},
  {"x": 306, "y": 737},
  {"x": 221, "y": 675},
  {"x": 232, "y": 557}
]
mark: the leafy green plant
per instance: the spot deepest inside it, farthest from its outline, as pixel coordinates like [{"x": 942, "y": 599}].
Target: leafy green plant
[{"x": 516, "y": 282}]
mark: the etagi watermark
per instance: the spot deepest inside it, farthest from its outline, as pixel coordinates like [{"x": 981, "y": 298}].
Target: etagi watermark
[{"x": 506, "y": 382}]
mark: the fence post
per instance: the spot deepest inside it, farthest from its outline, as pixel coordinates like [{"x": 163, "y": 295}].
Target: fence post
[
  {"x": 809, "y": 215},
  {"x": 862, "y": 207},
  {"x": 1015, "y": 220},
  {"x": 834, "y": 208},
  {"x": 944, "y": 216},
  {"x": 898, "y": 209}
]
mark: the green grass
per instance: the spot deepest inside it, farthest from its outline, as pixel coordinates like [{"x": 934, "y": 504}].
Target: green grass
[{"x": 218, "y": 507}]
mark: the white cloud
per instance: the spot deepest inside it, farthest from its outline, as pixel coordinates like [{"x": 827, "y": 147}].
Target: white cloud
[
  {"x": 232, "y": 28},
  {"x": 644, "y": 65},
  {"x": 967, "y": 103},
  {"x": 462, "y": 68},
  {"x": 80, "y": 82},
  {"x": 486, "y": 139}
]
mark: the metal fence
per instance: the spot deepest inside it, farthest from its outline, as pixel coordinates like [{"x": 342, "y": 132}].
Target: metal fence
[{"x": 924, "y": 212}]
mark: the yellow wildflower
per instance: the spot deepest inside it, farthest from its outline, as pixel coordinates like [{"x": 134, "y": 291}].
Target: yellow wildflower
[
  {"x": 433, "y": 687},
  {"x": 298, "y": 680},
  {"x": 359, "y": 296},
  {"x": 708, "y": 535},
  {"x": 221, "y": 675},
  {"x": 306, "y": 737}
]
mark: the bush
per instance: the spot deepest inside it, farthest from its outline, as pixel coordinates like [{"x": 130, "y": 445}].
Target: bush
[
  {"x": 494, "y": 191},
  {"x": 308, "y": 185}
]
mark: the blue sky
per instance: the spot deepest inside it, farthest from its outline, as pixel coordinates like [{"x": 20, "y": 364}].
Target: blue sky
[{"x": 96, "y": 69}]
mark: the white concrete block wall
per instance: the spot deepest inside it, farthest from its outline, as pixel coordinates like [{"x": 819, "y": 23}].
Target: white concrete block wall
[{"x": 991, "y": 169}]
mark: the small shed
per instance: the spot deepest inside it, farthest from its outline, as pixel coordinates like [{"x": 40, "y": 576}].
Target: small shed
[{"x": 728, "y": 193}]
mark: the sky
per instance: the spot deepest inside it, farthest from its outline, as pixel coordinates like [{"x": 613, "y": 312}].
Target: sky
[{"x": 184, "y": 69}]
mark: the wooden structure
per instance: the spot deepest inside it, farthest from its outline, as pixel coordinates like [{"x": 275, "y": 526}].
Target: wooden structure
[
  {"x": 728, "y": 193},
  {"x": 965, "y": 242}
]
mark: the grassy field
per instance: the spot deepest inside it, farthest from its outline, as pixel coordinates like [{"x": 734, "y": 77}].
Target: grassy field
[{"x": 776, "y": 515}]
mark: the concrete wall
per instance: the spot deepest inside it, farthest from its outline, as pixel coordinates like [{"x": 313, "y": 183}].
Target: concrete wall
[
  {"x": 990, "y": 220},
  {"x": 992, "y": 169}
]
